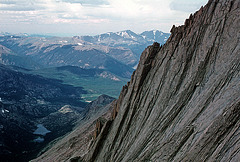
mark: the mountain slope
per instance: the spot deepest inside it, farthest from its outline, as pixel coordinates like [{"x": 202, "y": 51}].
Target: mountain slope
[
  {"x": 8, "y": 57},
  {"x": 183, "y": 101}
]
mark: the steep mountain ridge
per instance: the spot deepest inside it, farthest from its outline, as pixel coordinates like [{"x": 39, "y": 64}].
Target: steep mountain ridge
[{"x": 182, "y": 103}]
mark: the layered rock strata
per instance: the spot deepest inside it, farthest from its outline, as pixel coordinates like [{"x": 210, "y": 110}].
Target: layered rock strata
[{"x": 183, "y": 101}]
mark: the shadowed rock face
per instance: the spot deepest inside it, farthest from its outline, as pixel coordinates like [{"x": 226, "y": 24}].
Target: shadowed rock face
[{"x": 183, "y": 101}]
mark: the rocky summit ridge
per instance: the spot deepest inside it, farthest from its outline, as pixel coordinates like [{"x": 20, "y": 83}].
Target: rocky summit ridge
[{"x": 183, "y": 100}]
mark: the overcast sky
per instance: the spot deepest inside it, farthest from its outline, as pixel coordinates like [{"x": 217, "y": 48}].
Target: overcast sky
[{"x": 90, "y": 17}]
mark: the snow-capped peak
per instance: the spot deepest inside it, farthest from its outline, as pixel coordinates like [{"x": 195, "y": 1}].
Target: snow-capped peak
[
  {"x": 123, "y": 34},
  {"x": 126, "y": 34}
]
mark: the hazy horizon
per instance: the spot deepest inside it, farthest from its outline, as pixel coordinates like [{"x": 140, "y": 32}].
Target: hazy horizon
[{"x": 68, "y": 34}]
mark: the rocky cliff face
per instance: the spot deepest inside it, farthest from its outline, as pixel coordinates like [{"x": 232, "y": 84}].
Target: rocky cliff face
[{"x": 183, "y": 101}]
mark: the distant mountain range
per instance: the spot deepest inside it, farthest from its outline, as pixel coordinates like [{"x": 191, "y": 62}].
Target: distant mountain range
[{"x": 97, "y": 51}]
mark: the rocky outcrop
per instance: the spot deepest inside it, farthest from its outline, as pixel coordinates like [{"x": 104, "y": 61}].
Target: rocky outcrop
[
  {"x": 117, "y": 105},
  {"x": 99, "y": 125},
  {"x": 183, "y": 101},
  {"x": 97, "y": 106}
]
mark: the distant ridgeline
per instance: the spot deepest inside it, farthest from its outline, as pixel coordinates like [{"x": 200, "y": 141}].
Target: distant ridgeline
[{"x": 125, "y": 47}]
